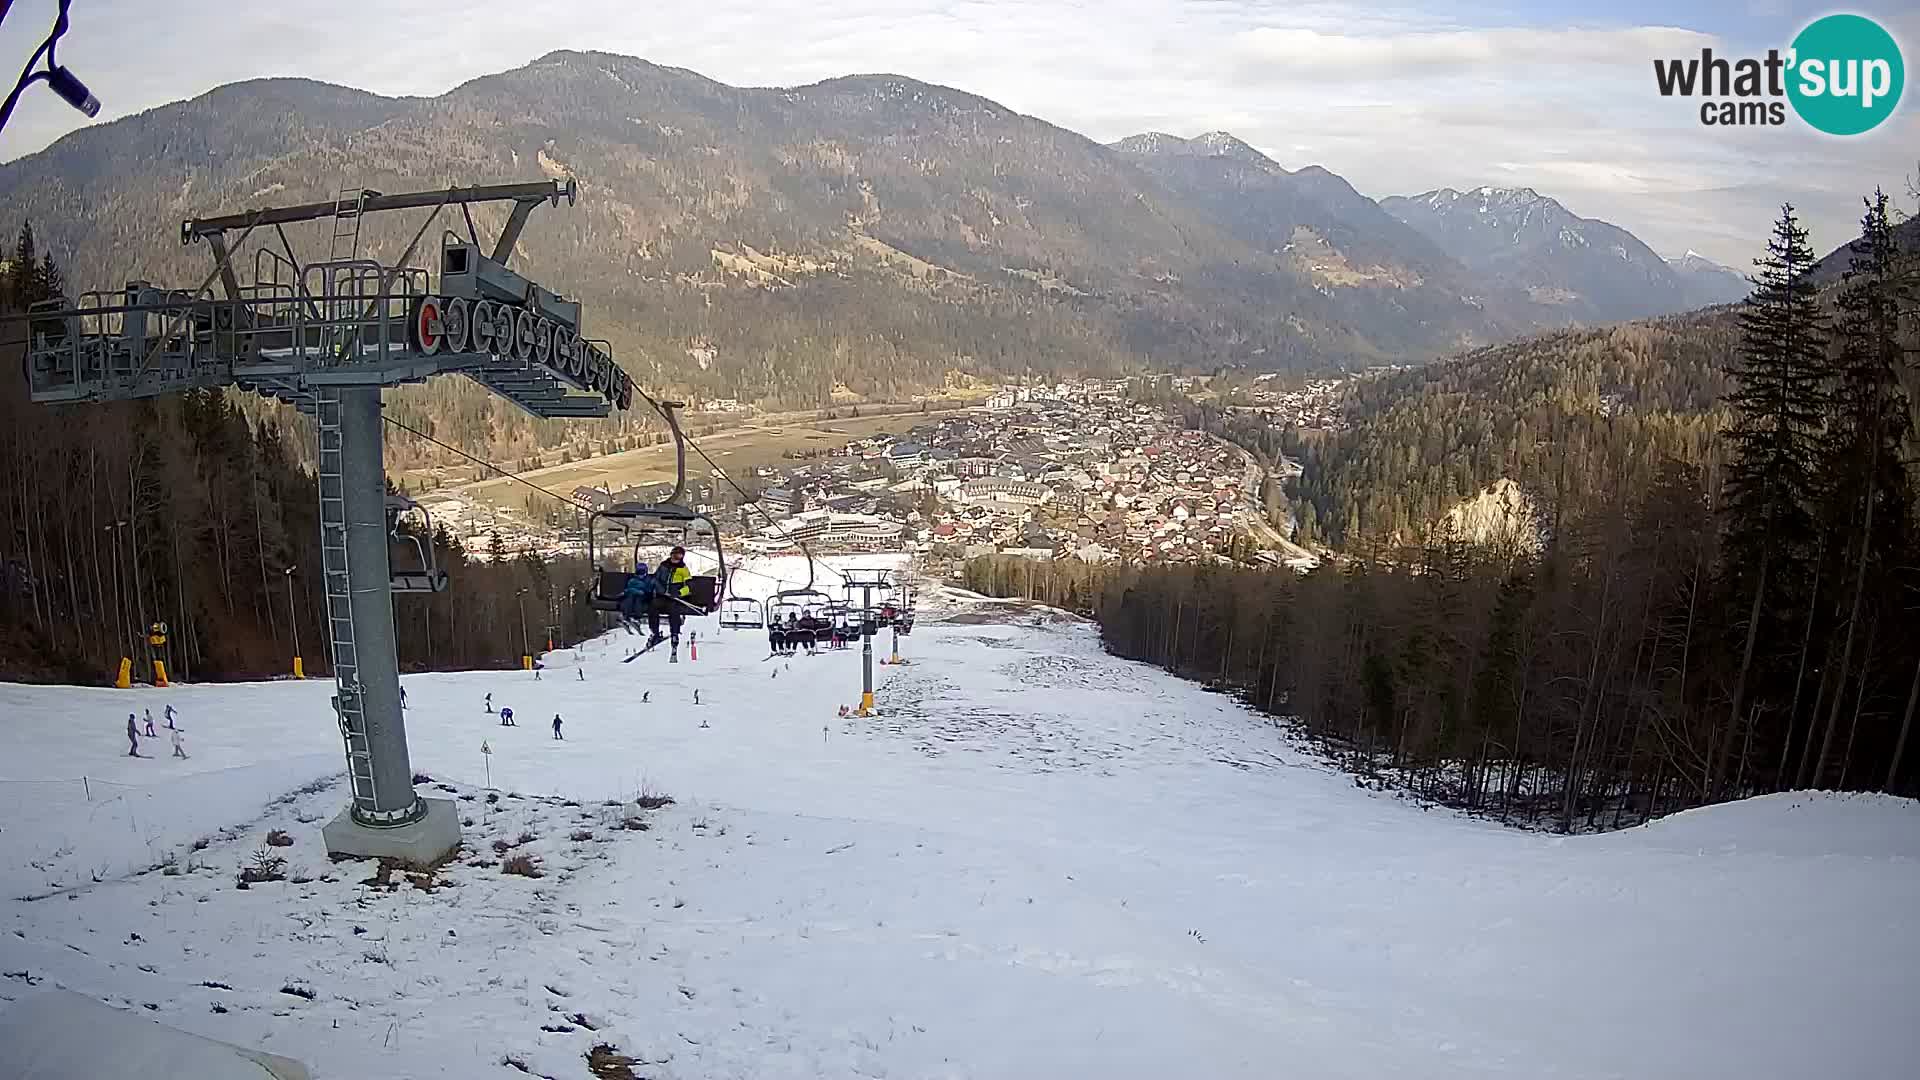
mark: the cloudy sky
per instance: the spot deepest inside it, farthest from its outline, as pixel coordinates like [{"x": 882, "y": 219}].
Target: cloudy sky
[{"x": 1556, "y": 95}]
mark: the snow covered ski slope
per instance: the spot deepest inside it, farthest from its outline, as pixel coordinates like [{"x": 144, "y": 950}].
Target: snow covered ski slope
[{"x": 1038, "y": 861}]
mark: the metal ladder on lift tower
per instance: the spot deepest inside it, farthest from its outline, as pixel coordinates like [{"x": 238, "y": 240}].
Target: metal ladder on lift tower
[
  {"x": 347, "y": 203},
  {"x": 337, "y": 290},
  {"x": 349, "y": 699}
]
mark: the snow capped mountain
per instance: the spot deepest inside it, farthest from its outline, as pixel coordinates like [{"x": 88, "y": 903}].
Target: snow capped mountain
[
  {"x": 1589, "y": 269},
  {"x": 1356, "y": 258},
  {"x": 1522, "y": 257},
  {"x": 1484, "y": 199},
  {"x": 1210, "y": 144},
  {"x": 1707, "y": 282}
]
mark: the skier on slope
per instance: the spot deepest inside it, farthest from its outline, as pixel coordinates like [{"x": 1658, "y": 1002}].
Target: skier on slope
[
  {"x": 170, "y": 726},
  {"x": 506, "y": 717},
  {"x": 556, "y": 728},
  {"x": 489, "y": 704},
  {"x": 133, "y": 738},
  {"x": 179, "y": 747},
  {"x": 150, "y": 733}
]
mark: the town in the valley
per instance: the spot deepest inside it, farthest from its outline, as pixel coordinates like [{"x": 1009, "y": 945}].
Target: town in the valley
[{"x": 1089, "y": 470}]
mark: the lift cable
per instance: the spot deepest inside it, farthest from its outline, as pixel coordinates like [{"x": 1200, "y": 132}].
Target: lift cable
[
  {"x": 745, "y": 499},
  {"x": 515, "y": 477}
]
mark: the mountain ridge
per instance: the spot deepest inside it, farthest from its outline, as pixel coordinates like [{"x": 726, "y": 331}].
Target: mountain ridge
[
  {"x": 868, "y": 230},
  {"x": 1594, "y": 269}
]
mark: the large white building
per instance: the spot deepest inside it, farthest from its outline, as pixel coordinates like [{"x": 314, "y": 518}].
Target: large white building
[
  {"x": 1002, "y": 489},
  {"x": 860, "y": 532},
  {"x": 782, "y": 500}
]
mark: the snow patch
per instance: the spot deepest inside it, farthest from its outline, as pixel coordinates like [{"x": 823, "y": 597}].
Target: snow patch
[{"x": 1791, "y": 824}]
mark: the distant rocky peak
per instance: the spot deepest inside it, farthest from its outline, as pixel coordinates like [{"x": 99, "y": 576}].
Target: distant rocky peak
[
  {"x": 1224, "y": 144},
  {"x": 1486, "y": 193},
  {"x": 1210, "y": 144},
  {"x": 1150, "y": 142}
]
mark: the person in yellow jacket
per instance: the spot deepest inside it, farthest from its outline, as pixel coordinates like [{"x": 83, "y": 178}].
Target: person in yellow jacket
[{"x": 670, "y": 593}]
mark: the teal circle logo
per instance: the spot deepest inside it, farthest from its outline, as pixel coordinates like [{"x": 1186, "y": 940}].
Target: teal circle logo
[{"x": 1845, "y": 75}]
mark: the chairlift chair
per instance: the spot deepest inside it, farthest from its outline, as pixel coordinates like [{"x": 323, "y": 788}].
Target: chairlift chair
[
  {"x": 842, "y": 619},
  {"x": 666, "y": 524},
  {"x": 742, "y": 613},
  {"x": 651, "y": 526},
  {"x": 892, "y": 605},
  {"x": 903, "y": 618},
  {"x": 856, "y": 597},
  {"x": 808, "y": 607},
  {"x": 425, "y": 576}
]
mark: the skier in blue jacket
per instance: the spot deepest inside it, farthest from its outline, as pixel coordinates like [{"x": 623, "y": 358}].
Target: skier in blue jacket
[{"x": 638, "y": 596}]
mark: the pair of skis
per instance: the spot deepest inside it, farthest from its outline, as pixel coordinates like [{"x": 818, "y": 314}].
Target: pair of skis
[
  {"x": 649, "y": 647},
  {"x": 803, "y": 652}
]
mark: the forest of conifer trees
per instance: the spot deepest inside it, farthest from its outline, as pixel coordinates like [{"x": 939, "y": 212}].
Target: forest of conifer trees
[{"x": 1725, "y": 595}]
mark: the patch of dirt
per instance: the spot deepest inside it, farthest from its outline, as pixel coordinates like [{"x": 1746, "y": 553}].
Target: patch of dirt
[{"x": 607, "y": 1063}]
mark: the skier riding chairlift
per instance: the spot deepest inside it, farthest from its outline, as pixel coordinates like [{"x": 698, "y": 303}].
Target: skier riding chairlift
[
  {"x": 638, "y": 596},
  {"x": 649, "y": 523},
  {"x": 671, "y": 597}
]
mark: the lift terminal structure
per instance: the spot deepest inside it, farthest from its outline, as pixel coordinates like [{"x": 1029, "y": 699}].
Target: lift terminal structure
[{"x": 326, "y": 337}]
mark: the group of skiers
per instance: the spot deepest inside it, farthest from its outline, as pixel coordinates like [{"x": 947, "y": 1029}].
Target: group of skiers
[
  {"x": 809, "y": 632},
  {"x": 506, "y": 718},
  {"x": 657, "y": 592},
  {"x": 133, "y": 734},
  {"x": 802, "y": 632}
]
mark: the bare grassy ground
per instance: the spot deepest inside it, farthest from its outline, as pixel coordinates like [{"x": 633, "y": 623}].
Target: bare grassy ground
[{"x": 758, "y": 443}]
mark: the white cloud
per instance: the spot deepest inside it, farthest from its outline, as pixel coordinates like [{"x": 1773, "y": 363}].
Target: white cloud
[
  {"x": 1292, "y": 52},
  {"x": 1396, "y": 98}
]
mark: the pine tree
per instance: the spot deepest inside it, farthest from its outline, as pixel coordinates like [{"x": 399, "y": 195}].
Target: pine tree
[
  {"x": 48, "y": 282},
  {"x": 1867, "y": 489},
  {"x": 20, "y": 268},
  {"x": 1778, "y": 399}
]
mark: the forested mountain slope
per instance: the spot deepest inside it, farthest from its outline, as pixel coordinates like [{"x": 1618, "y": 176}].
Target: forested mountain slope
[
  {"x": 870, "y": 232},
  {"x": 1575, "y": 418}
]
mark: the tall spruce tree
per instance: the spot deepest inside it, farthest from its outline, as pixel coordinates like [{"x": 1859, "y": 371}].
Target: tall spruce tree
[
  {"x": 21, "y": 268},
  {"x": 48, "y": 282},
  {"x": 1779, "y": 403},
  {"x": 1861, "y": 474}
]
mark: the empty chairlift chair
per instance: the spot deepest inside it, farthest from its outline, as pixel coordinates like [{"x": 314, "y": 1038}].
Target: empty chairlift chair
[
  {"x": 741, "y": 613},
  {"x": 425, "y": 574}
]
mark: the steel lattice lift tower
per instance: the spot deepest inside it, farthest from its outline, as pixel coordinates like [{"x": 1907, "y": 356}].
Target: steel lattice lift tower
[{"x": 326, "y": 337}]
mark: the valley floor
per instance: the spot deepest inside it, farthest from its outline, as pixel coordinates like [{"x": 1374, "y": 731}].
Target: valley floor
[{"x": 1038, "y": 861}]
